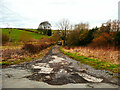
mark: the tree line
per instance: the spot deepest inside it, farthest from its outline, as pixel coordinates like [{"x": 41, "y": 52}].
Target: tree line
[{"x": 108, "y": 34}]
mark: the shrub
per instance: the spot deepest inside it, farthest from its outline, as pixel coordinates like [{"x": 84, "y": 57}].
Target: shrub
[
  {"x": 77, "y": 38},
  {"x": 35, "y": 48},
  {"x": 49, "y": 33},
  {"x": 117, "y": 39},
  {"x": 103, "y": 40},
  {"x": 73, "y": 38},
  {"x": 29, "y": 47},
  {"x": 51, "y": 40},
  {"x": 5, "y": 38},
  {"x": 55, "y": 37},
  {"x": 86, "y": 37},
  {"x": 43, "y": 46},
  {"x": 44, "y": 39}
]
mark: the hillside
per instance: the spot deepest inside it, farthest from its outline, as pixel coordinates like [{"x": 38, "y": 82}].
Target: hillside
[{"x": 17, "y": 34}]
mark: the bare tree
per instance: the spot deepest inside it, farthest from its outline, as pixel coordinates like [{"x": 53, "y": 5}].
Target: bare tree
[
  {"x": 115, "y": 25},
  {"x": 82, "y": 26},
  {"x": 110, "y": 26},
  {"x": 64, "y": 25}
]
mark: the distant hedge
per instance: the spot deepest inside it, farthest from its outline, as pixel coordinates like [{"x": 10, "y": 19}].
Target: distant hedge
[{"x": 35, "y": 48}]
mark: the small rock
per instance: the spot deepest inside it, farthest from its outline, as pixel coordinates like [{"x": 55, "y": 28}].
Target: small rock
[
  {"x": 43, "y": 65},
  {"x": 9, "y": 75},
  {"x": 13, "y": 65},
  {"x": 56, "y": 59},
  {"x": 47, "y": 77},
  {"x": 62, "y": 73},
  {"x": 90, "y": 78},
  {"x": 82, "y": 70},
  {"x": 45, "y": 70},
  {"x": 71, "y": 70},
  {"x": 36, "y": 67}
]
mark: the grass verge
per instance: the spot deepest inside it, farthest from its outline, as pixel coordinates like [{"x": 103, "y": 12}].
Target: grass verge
[
  {"x": 26, "y": 58},
  {"x": 95, "y": 63}
]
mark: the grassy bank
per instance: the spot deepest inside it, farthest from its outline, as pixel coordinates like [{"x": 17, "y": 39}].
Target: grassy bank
[
  {"x": 23, "y": 56},
  {"x": 95, "y": 63}
]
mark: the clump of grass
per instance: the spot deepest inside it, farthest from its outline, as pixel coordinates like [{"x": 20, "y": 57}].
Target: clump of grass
[{"x": 95, "y": 63}]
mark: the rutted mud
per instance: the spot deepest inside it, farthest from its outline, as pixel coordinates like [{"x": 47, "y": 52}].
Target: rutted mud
[{"x": 55, "y": 70}]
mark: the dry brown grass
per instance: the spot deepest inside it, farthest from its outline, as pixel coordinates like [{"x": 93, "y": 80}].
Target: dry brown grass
[
  {"x": 15, "y": 56},
  {"x": 109, "y": 55}
]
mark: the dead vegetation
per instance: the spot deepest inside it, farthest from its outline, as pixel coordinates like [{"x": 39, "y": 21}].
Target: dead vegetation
[{"x": 104, "y": 54}]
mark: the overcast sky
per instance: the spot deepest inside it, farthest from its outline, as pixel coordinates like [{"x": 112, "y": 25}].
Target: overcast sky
[{"x": 29, "y": 13}]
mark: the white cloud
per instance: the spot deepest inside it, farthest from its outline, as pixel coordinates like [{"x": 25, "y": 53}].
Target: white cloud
[{"x": 29, "y": 13}]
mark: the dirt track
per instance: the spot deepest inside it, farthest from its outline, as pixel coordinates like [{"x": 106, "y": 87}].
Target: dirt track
[{"x": 56, "y": 70}]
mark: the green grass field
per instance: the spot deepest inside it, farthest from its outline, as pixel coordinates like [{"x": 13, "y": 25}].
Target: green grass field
[
  {"x": 32, "y": 30},
  {"x": 17, "y": 34}
]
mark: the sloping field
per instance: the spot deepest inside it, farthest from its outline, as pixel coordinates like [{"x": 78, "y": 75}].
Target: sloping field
[{"x": 16, "y": 34}]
